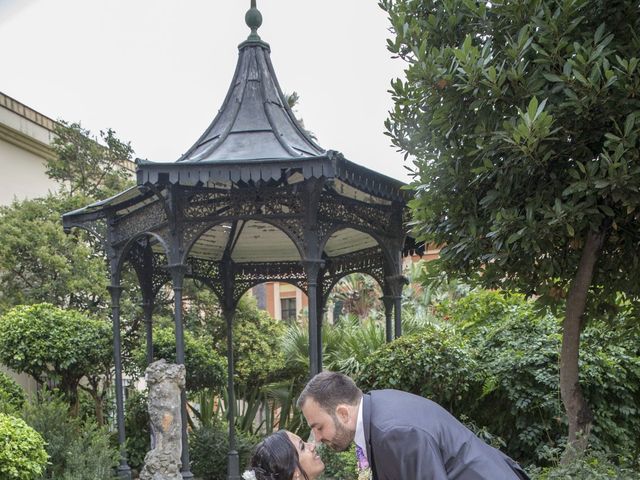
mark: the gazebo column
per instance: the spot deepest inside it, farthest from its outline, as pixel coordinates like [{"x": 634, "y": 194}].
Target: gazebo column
[
  {"x": 312, "y": 270},
  {"x": 388, "y": 302},
  {"x": 396, "y": 283},
  {"x": 233, "y": 459},
  {"x": 147, "y": 315},
  {"x": 178, "y": 272},
  {"x": 123, "y": 469}
]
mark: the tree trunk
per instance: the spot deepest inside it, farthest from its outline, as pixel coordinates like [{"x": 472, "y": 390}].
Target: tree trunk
[{"x": 578, "y": 411}]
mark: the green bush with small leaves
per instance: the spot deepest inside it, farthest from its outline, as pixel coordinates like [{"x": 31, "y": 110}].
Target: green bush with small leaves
[
  {"x": 205, "y": 368},
  {"x": 12, "y": 396},
  {"x": 593, "y": 466},
  {"x": 209, "y": 447},
  {"x": 435, "y": 364},
  {"x": 22, "y": 453},
  {"x": 339, "y": 465}
]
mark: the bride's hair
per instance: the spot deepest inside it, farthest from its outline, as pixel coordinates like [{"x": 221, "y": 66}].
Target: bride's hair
[{"x": 276, "y": 458}]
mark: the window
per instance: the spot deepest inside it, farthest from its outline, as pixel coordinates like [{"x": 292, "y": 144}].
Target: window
[{"x": 288, "y": 310}]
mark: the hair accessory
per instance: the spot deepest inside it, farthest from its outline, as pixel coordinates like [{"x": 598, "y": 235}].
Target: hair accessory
[{"x": 249, "y": 475}]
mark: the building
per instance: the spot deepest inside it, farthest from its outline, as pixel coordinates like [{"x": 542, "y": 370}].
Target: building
[{"x": 25, "y": 139}]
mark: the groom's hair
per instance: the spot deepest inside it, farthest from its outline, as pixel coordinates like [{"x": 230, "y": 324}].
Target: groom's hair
[{"x": 330, "y": 389}]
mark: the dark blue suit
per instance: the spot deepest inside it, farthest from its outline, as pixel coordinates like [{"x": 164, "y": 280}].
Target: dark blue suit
[{"x": 409, "y": 438}]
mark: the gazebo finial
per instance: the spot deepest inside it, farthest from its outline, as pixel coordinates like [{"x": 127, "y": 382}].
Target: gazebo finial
[{"x": 253, "y": 18}]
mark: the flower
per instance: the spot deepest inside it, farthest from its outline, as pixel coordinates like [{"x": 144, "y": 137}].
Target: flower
[
  {"x": 364, "y": 471},
  {"x": 249, "y": 475}
]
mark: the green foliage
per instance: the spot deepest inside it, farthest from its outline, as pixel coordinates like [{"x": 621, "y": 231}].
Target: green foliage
[
  {"x": 357, "y": 294},
  {"x": 502, "y": 379},
  {"x": 209, "y": 447},
  {"x": 85, "y": 166},
  {"x": 49, "y": 416},
  {"x": 136, "y": 426},
  {"x": 205, "y": 367},
  {"x": 518, "y": 347},
  {"x": 259, "y": 358},
  {"x": 593, "y": 466},
  {"x": 22, "y": 454},
  {"x": 434, "y": 363},
  {"x": 76, "y": 449},
  {"x": 90, "y": 456},
  {"x": 339, "y": 465},
  {"x": 12, "y": 396},
  {"x": 50, "y": 343},
  {"x": 523, "y": 119},
  {"x": 40, "y": 263}
]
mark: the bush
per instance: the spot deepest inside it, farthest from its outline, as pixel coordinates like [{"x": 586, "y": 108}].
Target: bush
[
  {"x": 49, "y": 416},
  {"x": 435, "y": 364},
  {"x": 339, "y": 465},
  {"x": 12, "y": 396},
  {"x": 518, "y": 349},
  {"x": 76, "y": 450},
  {"x": 205, "y": 368},
  {"x": 90, "y": 456},
  {"x": 22, "y": 453},
  {"x": 136, "y": 427},
  {"x": 209, "y": 447},
  {"x": 592, "y": 467}
]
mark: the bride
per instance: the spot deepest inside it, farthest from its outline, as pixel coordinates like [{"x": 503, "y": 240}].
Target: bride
[{"x": 284, "y": 456}]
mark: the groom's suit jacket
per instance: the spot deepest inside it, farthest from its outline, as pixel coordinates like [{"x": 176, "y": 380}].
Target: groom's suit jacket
[{"x": 411, "y": 438}]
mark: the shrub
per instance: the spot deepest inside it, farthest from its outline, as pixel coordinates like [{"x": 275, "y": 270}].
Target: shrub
[
  {"x": 22, "y": 453},
  {"x": 209, "y": 447},
  {"x": 435, "y": 364},
  {"x": 136, "y": 426},
  {"x": 205, "y": 368},
  {"x": 90, "y": 456},
  {"x": 49, "y": 416},
  {"x": 12, "y": 396},
  {"x": 339, "y": 465},
  {"x": 77, "y": 450},
  {"x": 593, "y": 466}
]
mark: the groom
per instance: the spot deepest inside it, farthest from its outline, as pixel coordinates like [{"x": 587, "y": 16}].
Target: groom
[{"x": 399, "y": 435}]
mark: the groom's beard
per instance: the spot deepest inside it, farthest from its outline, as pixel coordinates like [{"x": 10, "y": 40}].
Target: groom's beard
[{"x": 342, "y": 438}]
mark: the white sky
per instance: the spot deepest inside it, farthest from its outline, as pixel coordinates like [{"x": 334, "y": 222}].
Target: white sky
[{"x": 156, "y": 71}]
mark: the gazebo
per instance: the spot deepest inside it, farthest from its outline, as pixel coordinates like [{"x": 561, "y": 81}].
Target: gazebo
[{"x": 255, "y": 199}]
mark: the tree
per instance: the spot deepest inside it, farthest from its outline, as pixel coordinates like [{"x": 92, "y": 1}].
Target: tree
[
  {"x": 59, "y": 346},
  {"x": 204, "y": 366},
  {"x": 524, "y": 121},
  {"x": 85, "y": 166},
  {"x": 40, "y": 263}
]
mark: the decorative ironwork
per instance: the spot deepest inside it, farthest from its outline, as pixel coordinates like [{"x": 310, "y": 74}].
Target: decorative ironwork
[
  {"x": 370, "y": 261},
  {"x": 150, "y": 267},
  {"x": 144, "y": 219},
  {"x": 335, "y": 210},
  {"x": 249, "y": 275}
]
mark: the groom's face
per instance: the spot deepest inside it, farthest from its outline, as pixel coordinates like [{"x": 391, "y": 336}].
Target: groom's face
[{"x": 334, "y": 430}]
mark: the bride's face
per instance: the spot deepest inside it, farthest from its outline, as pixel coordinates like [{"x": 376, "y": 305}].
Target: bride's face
[{"x": 310, "y": 461}]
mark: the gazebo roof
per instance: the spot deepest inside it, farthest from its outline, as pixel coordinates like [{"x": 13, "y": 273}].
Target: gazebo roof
[
  {"x": 256, "y": 137},
  {"x": 255, "y": 122}
]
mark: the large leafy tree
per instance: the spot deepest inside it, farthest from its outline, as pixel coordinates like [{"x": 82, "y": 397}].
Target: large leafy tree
[
  {"x": 60, "y": 347},
  {"x": 88, "y": 165},
  {"x": 40, "y": 263},
  {"x": 524, "y": 121}
]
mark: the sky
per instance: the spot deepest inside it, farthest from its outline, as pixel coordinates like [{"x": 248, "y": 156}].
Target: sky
[{"x": 157, "y": 71}]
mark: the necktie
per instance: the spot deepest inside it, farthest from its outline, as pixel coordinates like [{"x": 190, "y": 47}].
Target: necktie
[{"x": 363, "y": 463}]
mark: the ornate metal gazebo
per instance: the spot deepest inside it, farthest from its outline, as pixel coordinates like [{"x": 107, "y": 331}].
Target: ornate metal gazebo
[{"x": 255, "y": 199}]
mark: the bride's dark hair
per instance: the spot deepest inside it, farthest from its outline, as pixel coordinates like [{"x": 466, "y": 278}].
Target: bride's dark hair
[{"x": 276, "y": 458}]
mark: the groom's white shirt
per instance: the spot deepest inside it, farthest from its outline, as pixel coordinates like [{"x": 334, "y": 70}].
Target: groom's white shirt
[{"x": 359, "y": 437}]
